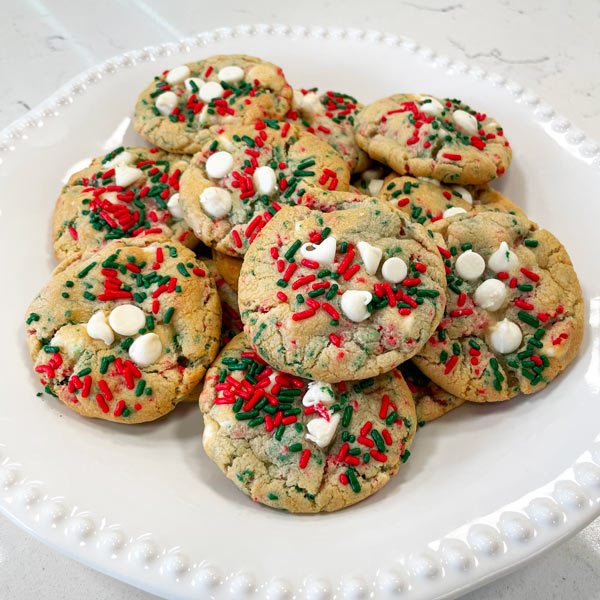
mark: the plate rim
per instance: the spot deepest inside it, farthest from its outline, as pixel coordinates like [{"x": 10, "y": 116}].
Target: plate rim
[{"x": 455, "y": 564}]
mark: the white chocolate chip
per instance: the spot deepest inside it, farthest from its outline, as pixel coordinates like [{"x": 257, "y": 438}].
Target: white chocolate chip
[
  {"x": 265, "y": 180},
  {"x": 219, "y": 164},
  {"x": 433, "y": 107},
  {"x": 465, "y": 121},
  {"x": 453, "y": 210},
  {"x": 197, "y": 82},
  {"x": 231, "y": 74},
  {"x": 490, "y": 294},
  {"x": 354, "y": 304},
  {"x": 323, "y": 253},
  {"x": 318, "y": 393},
  {"x": 178, "y": 75},
  {"x": 308, "y": 104},
  {"x": 394, "y": 270},
  {"x": 125, "y": 175},
  {"x": 209, "y": 91},
  {"x": 370, "y": 255},
  {"x": 123, "y": 158},
  {"x": 174, "y": 207},
  {"x": 127, "y": 319},
  {"x": 464, "y": 194},
  {"x": 321, "y": 431},
  {"x": 372, "y": 173},
  {"x": 506, "y": 337},
  {"x": 145, "y": 350},
  {"x": 166, "y": 102},
  {"x": 216, "y": 201},
  {"x": 470, "y": 265},
  {"x": 374, "y": 186},
  {"x": 503, "y": 259},
  {"x": 98, "y": 329},
  {"x": 430, "y": 180}
]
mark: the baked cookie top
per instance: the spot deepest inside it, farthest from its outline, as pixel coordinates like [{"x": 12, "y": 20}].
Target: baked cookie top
[
  {"x": 245, "y": 173},
  {"x": 127, "y": 192},
  {"x": 427, "y": 200},
  {"x": 330, "y": 116},
  {"x": 431, "y": 401},
  {"x": 430, "y": 137},
  {"x": 175, "y": 111},
  {"x": 303, "y": 446},
  {"x": 124, "y": 333},
  {"x": 341, "y": 295},
  {"x": 514, "y": 313}
]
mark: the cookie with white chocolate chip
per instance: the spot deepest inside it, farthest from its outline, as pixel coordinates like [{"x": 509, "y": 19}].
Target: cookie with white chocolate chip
[
  {"x": 514, "y": 314},
  {"x": 175, "y": 111},
  {"x": 429, "y": 137},
  {"x": 427, "y": 200},
  {"x": 341, "y": 295},
  {"x": 330, "y": 116},
  {"x": 298, "y": 445},
  {"x": 124, "y": 333},
  {"x": 125, "y": 193},
  {"x": 244, "y": 174}
]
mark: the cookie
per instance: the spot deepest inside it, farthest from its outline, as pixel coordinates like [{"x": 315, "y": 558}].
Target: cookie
[
  {"x": 514, "y": 313},
  {"x": 127, "y": 192},
  {"x": 427, "y": 200},
  {"x": 428, "y": 137},
  {"x": 243, "y": 176},
  {"x": 228, "y": 267},
  {"x": 343, "y": 295},
  {"x": 303, "y": 446},
  {"x": 330, "y": 116},
  {"x": 126, "y": 332},
  {"x": 431, "y": 401},
  {"x": 176, "y": 110}
]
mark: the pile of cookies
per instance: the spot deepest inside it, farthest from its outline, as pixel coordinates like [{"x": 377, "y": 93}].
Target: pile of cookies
[{"x": 351, "y": 263}]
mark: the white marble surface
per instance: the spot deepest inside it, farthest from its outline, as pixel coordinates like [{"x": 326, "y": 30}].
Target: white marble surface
[{"x": 549, "y": 45}]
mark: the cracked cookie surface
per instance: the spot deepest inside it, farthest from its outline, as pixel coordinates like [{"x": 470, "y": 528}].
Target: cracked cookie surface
[
  {"x": 175, "y": 111},
  {"x": 126, "y": 332},
  {"x": 128, "y": 191},
  {"x": 429, "y": 137},
  {"x": 341, "y": 295},
  {"x": 303, "y": 446},
  {"x": 514, "y": 315}
]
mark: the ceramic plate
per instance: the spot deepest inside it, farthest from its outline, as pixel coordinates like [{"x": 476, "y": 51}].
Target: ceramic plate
[{"x": 486, "y": 488}]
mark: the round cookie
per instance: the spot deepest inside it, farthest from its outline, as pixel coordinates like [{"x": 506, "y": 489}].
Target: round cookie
[
  {"x": 427, "y": 200},
  {"x": 431, "y": 401},
  {"x": 229, "y": 268},
  {"x": 429, "y": 137},
  {"x": 514, "y": 313},
  {"x": 245, "y": 173},
  {"x": 175, "y": 111},
  {"x": 330, "y": 116},
  {"x": 341, "y": 295},
  {"x": 120, "y": 195},
  {"x": 126, "y": 332},
  {"x": 303, "y": 446}
]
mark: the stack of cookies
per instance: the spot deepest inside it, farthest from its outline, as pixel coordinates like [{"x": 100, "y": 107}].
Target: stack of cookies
[{"x": 351, "y": 263}]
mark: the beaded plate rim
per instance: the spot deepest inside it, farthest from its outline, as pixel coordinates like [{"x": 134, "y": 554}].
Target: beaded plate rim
[{"x": 448, "y": 567}]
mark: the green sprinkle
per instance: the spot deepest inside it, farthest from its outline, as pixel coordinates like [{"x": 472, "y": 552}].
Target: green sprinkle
[
  {"x": 292, "y": 250},
  {"x": 279, "y": 432},
  {"x": 139, "y": 390},
  {"x": 181, "y": 268},
  {"x": 391, "y": 418},
  {"x": 168, "y": 315},
  {"x": 325, "y": 232},
  {"x": 529, "y": 319},
  {"x": 86, "y": 270},
  {"x": 531, "y": 243},
  {"x": 295, "y": 447},
  {"x": 353, "y": 481},
  {"x": 347, "y": 416},
  {"x": 378, "y": 440},
  {"x": 89, "y": 296}
]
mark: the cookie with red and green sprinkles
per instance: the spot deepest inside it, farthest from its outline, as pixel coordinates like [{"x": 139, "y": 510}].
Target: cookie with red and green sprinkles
[
  {"x": 176, "y": 110},
  {"x": 126, "y": 193},
  {"x": 245, "y": 173},
  {"x": 342, "y": 295},
  {"x": 330, "y": 116},
  {"x": 124, "y": 333},
  {"x": 514, "y": 314},
  {"x": 229, "y": 267},
  {"x": 431, "y": 401},
  {"x": 298, "y": 445},
  {"x": 430, "y": 137},
  {"x": 427, "y": 200}
]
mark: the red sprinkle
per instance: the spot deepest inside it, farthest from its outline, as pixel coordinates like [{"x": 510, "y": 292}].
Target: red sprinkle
[
  {"x": 530, "y": 274},
  {"x": 450, "y": 364},
  {"x": 305, "y": 453}
]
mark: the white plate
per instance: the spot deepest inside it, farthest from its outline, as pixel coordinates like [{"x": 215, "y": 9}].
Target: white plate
[{"x": 487, "y": 487}]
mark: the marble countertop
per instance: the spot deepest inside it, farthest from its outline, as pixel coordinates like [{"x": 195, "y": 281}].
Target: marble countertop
[{"x": 549, "y": 45}]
